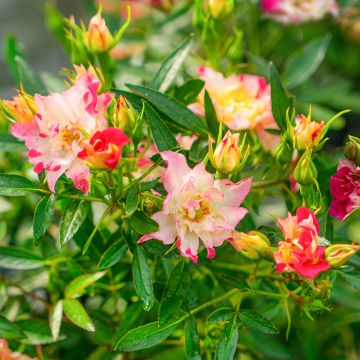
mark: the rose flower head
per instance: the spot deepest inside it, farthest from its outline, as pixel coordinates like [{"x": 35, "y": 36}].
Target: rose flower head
[
  {"x": 197, "y": 207},
  {"x": 307, "y": 133},
  {"x": 98, "y": 37}
]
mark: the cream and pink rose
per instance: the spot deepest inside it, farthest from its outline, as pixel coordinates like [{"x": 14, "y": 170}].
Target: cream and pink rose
[{"x": 197, "y": 207}]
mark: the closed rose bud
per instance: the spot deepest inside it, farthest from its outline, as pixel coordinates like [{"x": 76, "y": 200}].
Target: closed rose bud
[
  {"x": 124, "y": 116},
  {"x": 104, "y": 149},
  {"x": 336, "y": 255},
  {"x": 219, "y": 8},
  {"x": 305, "y": 171},
  {"x": 307, "y": 133},
  {"x": 253, "y": 245},
  {"x": 352, "y": 150},
  {"x": 98, "y": 37},
  {"x": 284, "y": 153},
  {"x": 22, "y": 108}
]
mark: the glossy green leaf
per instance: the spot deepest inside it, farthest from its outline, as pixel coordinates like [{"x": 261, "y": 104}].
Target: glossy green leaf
[
  {"x": 304, "y": 62},
  {"x": 280, "y": 102},
  {"x": 55, "y": 319},
  {"x": 142, "y": 224},
  {"x": 142, "y": 279},
  {"x": 15, "y": 185},
  {"x": 37, "y": 332},
  {"x": 353, "y": 280},
  {"x": 175, "y": 111},
  {"x": 226, "y": 347},
  {"x": 77, "y": 286},
  {"x": 192, "y": 341},
  {"x": 163, "y": 137},
  {"x": 171, "y": 66},
  {"x": 15, "y": 258},
  {"x": 145, "y": 336},
  {"x": 43, "y": 216},
  {"x": 9, "y": 331},
  {"x": 221, "y": 315},
  {"x": 210, "y": 116},
  {"x": 131, "y": 202},
  {"x": 189, "y": 92},
  {"x": 112, "y": 255},
  {"x": 77, "y": 314},
  {"x": 174, "y": 293},
  {"x": 74, "y": 215},
  {"x": 236, "y": 283},
  {"x": 257, "y": 322}
]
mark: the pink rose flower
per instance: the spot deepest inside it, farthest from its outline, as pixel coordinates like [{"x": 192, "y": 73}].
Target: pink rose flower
[
  {"x": 64, "y": 120},
  {"x": 295, "y": 11},
  {"x": 241, "y": 102},
  {"x": 300, "y": 252},
  {"x": 345, "y": 190},
  {"x": 104, "y": 149},
  {"x": 197, "y": 207}
]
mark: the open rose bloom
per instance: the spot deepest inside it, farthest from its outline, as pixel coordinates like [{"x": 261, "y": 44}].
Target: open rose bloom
[
  {"x": 242, "y": 102},
  {"x": 301, "y": 252},
  {"x": 197, "y": 207},
  {"x": 299, "y": 11}
]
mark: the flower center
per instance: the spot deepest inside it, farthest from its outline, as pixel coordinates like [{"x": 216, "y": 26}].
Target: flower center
[
  {"x": 196, "y": 209},
  {"x": 69, "y": 135}
]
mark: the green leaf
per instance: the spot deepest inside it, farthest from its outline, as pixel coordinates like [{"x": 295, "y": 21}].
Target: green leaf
[
  {"x": 12, "y": 49},
  {"x": 261, "y": 65},
  {"x": 9, "y": 331},
  {"x": 77, "y": 286},
  {"x": 226, "y": 347},
  {"x": 142, "y": 279},
  {"x": 15, "y": 185},
  {"x": 171, "y": 66},
  {"x": 74, "y": 215},
  {"x": 236, "y": 283},
  {"x": 142, "y": 224},
  {"x": 76, "y": 313},
  {"x": 221, "y": 315},
  {"x": 37, "y": 332},
  {"x": 257, "y": 322},
  {"x": 174, "y": 293},
  {"x": 352, "y": 280},
  {"x": 210, "y": 116},
  {"x": 304, "y": 62},
  {"x": 188, "y": 93},
  {"x": 112, "y": 255},
  {"x": 192, "y": 341},
  {"x": 145, "y": 336},
  {"x": 19, "y": 259},
  {"x": 132, "y": 202},
  {"x": 55, "y": 319},
  {"x": 162, "y": 135},
  {"x": 43, "y": 216},
  {"x": 279, "y": 100},
  {"x": 9, "y": 143},
  {"x": 175, "y": 111}
]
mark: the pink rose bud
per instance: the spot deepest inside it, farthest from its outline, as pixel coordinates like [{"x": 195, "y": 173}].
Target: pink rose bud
[
  {"x": 253, "y": 245},
  {"x": 22, "y": 108},
  {"x": 336, "y": 255},
  {"x": 228, "y": 156},
  {"x": 104, "y": 149},
  {"x": 219, "y": 8},
  {"x": 307, "y": 133},
  {"x": 98, "y": 37}
]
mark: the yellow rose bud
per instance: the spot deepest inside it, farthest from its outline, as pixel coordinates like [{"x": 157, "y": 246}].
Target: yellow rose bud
[
  {"x": 220, "y": 8},
  {"x": 336, "y": 255},
  {"x": 98, "y": 36},
  {"x": 22, "y": 108},
  {"x": 124, "y": 116},
  {"x": 253, "y": 245},
  {"x": 307, "y": 133}
]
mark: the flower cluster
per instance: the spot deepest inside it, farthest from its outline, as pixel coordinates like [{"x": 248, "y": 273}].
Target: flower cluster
[{"x": 295, "y": 11}]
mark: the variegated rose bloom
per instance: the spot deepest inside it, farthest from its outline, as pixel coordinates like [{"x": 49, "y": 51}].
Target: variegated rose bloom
[
  {"x": 64, "y": 120},
  {"x": 301, "y": 252},
  {"x": 241, "y": 102},
  {"x": 298, "y": 11},
  {"x": 197, "y": 207},
  {"x": 307, "y": 133}
]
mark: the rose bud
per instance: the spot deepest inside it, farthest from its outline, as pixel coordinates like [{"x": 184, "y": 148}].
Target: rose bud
[
  {"x": 307, "y": 133},
  {"x": 352, "y": 150},
  {"x": 124, "y": 116},
  {"x": 220, "y": 8},
  {"x": 22, "y": 108},
  {"x": 336, "y": 255},
  {"x": 253, "y": 245},
  {"x": 227, "y": 157},
  {"x": 98, "y": 36},
  {"x": 104, "y": 149},
  {"x": 305, "y": 171}
]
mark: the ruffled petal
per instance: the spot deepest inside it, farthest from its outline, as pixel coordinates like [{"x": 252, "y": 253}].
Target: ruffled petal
[{"x": 234, "y": 194}]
